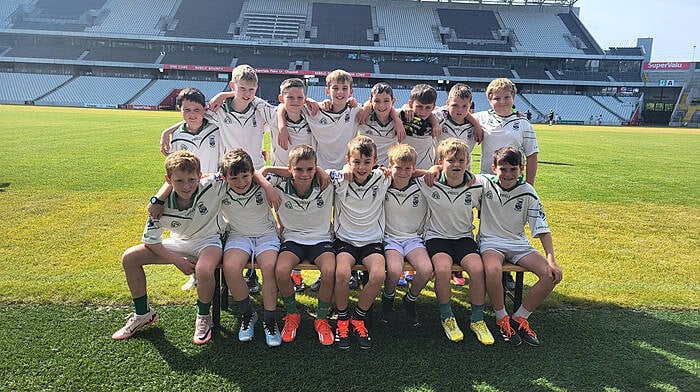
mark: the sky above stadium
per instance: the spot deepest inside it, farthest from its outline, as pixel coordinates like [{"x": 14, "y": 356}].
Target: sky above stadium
[{"x": 620, "y": 22}]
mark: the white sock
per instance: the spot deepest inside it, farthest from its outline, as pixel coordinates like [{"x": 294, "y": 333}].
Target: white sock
[
  {"x": 522, "y": 312},
  {"x": 500, "y": 313}
]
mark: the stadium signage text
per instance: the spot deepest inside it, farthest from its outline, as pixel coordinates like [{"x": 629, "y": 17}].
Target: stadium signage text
[
  {"x": 275, "y": 71},
  {"x": 667, "y": 66}
]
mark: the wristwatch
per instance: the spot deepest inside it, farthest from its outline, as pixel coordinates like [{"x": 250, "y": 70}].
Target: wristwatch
[{"x": 155, "y": 200}]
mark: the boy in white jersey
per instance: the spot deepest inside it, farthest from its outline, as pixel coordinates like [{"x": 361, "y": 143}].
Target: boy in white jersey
[
  {"x": 449, "y": 237},
  {"x": 190, "y": 214},
  {"x": 199, "y": 135},
  {"x": 305, "y": 218},
  {"x": 359, "y": 229},
  {"x": 508, "y": 203},
  {"x": 252, "y": 234},
  {"x": 455, "y": 117},
  {"x": 502, "y": 127},
  {"x": 293, "y": 97},
  {"x": 405, "y": 210},
  {"x": 380, "y": 126}
]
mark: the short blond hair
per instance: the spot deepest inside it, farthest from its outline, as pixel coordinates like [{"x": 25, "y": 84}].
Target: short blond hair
[
  {"x": 452, "y": 147},
  {"x": 501, "y": 84},
  {"x": 244, "y": 72},
  {"x": 338, "y": 76},
  {"x": 402, "y": 153},
  {"x": 182, "y": 160}
]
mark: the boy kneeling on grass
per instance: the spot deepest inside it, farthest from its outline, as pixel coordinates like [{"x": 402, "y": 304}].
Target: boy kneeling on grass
[
  {"x": 507, "y": 204},
  {"x": 190, "y": 213}
]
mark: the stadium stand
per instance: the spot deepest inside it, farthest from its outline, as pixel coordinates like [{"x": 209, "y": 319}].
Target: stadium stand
[
  {"x": 8, "y": 7},
  {"x": 580, "y": 75},
  {"x": 159, "y": 90},
  {"x": 71, "y": 15},
  {"x": 45, "y": 50},
  {"x": 469, "y": 24},
  {"x": 472, "y": 72},
  {"x": 341, "y": 24},
  {"x": 199, "y": 58},
  {"x": 277, "y": 62},
  {"x": 571, "y": 108},
  {"x": 407, "y": 26},
  {"x": 21, "y": 87},
  {"x": 626, "y": 76},
  {"x": 622, "y": 106},
  {"x": 274, "y": 19},
  {"x": 66, "y": 9},
  {"x": 121, "y": 54},
  {"x": 410, "y": 68},
  {"x": 478, "y": 46},
  {"x": 321, "y": 64},
  {"x": 532, "y": 73},
  {"x": 205, "y": 19},
  {"x": 131, "y": 17},
  {"x": 530, "y": 26},
  {"x": 95, "y": 91},
  {"x": 576, "y": 28}
]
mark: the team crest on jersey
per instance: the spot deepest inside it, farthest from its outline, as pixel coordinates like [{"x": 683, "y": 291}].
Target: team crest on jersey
[
  {"x": 175, "y": 224},
  {"x": 183, "y": 147},
  {"x": 258, "y": 198},
  {"x": 228, "y": 120},
  {"x": 255, "y": 122},
  {"x": 516, "y": 126},
  {"x": 347, "y": 116},
  {"x": 489, "y": 195},
  {"x": 435, "y": 195},
  {"x": 226, "y": 202},
  {"x": 416, "y": 199},
  {"x": 320, "y": 203},
  {"x": 541, "y": 212},
  {"x": 288, "y": 205},
  {"x": 324, "y": 121},
  {"x": 375, "y": 189},
  {"x": 202, "y": 208},
  {"x": 468, "y": 198},
  {"x": 212, "y": 141},
  {"x": 519, "y": 205}
]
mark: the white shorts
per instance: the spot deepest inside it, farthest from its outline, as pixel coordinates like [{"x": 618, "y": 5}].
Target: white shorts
[
  {"x": 511, "y": 253},
  {"x": 192, "y": 247},
  {"x": 254, "y": 246},
  {"x": 403, "y": 247}
]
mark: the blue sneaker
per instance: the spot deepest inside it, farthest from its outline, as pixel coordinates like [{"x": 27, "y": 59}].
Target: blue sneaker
[
  {"x": 273, "y": 338},
  {"x": 245, "y": 334}
]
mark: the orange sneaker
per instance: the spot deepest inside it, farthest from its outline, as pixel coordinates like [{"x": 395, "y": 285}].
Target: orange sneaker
[
  {"x": 325, "y": 335},
  {"x": 526, "y": 333},
  {"x": 342, "y": 334},
  {"x": 508, "y": 333},
  {"x": 362, "y": 334},
  {"x": 291, "y": 323}
]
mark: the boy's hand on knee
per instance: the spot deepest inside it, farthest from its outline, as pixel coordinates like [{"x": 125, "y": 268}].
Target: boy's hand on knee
[
  {"x": 554, "y": 270},
  {"x": 185, "y": 265}
]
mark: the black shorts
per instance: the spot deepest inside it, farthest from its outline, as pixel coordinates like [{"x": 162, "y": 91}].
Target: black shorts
[
  {"x": 307, "y": 252},
  {"x": 358, "y": 252},
  {"x": 457, "y": 249}
]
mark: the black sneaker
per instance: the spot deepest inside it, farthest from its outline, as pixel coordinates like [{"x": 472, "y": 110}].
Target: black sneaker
[
  {"x": 387, "y": 309},
  {"x": 508, "y": 332},
  {"x": 361, "y": 333},
  {"x": 354, "y": 280},
  {"x": 508, "y": 281},
  {"x": 316, "y": 285},
  {"x": 253, "y": 283},
  {"x": 410, "y": 314},
  {"x": 525, "y": 332},
  {"x": 342, "y": 334}
]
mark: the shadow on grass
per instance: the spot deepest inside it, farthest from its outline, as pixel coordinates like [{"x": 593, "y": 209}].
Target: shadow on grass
[
  {"x": 582, "y": 350},
  {"x": 554, "y": 163},
  {"x": 3, "y": 186}
]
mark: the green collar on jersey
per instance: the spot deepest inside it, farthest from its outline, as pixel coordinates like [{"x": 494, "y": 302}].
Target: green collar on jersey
[
  {"x": 494, "y": 179},
  {"x": 291, "y": 190},
  {"x": 228, "y": 106},
  {"x": 411, "y": 181},
  {"x": 443, "y": 179},
  {"x": 172, "y": 200},
  {"x": 183, "y": 127}
]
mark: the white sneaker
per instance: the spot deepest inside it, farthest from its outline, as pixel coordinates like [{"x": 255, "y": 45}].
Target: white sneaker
[
  {"x": 273, "y": 338},
  {"x": 134, "y": 323},
  {"x": 245, "y": 334},
  {"x": 190, "y": 284},
  {"x": 202, "y": 329}
]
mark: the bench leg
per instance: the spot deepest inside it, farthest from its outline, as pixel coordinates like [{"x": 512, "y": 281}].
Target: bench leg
[
  {"x": 224, "y": 292},
  {"x": 518, "y": 294},
  {"x": 216, "y": 302}
]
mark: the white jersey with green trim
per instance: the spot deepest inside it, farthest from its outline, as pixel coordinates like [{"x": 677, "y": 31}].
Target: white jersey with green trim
[
  {"x": 451, "y": 213},
  {"x": 206, "y": 144},
  {"x": 405, "y": 212},
  {"x": 201, "y": 219},
  {"x": 504, "y": 131},
  {"x": 299, "y": 133},
  {"x": 359, "y": 208},
  {"x": 505, "y": 212},
  {"x": 451, "y": 129},
  {"x": 383, "y": 135},
  {"x": 248, "y": 214},
  {"x": 332, "y": 132},
  {"x": 306, "y": 219},
  {"x": 419, "y": 134},
  {"x": 245, "y": 129}
]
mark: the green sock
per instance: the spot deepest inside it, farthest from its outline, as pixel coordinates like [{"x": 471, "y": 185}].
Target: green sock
[
  {"x": 322, "y": 311},
  {"x": 141, "y": 304},
  {"x": 477, "y": 313},
  {"x": 290, "y": 304},
  {"x": 202, "y": 308},
  {"x": 446, "y": 311}
]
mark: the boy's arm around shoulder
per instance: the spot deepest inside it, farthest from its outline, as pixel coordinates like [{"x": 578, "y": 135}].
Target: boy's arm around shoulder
[
  {"x": 478, "y": 131},
  {"x": 155, "y": 210},
  {"x": 272, "y": 196},
  {"x": 165, "y": 137}
]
